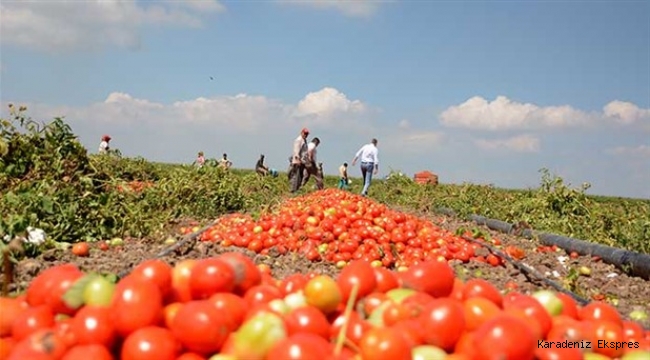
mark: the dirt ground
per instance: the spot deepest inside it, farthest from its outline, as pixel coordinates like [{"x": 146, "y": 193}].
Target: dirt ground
[{"x": 626, "y": 293}]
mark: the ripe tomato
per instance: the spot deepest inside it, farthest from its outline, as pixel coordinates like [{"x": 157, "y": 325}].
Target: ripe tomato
[
  {"x": 556, "y": 353},
  {"x": 293, "y": 283},
  {"x": 59, "y": 288},
  {"x": 356, "y": 327},
  {"x": 10, "y": 308},
  {"x": 81, "y": 249},
  {"x": 610, "y": 332},
  {"x": 200, "y": 327},
  {"x": 181, "y": 280},
  {"x": 246, "y": 273},
  {"x": 359, "y": 273},
  {"x": 7, "y": 345},
  {"x": 301, "y": 346},
  {"x": 534, "y": 310},
  {"x": 261, "y": 294},
  {"x": 190, "y": 356},
  {"x": 210, "y": 276},
  {"x": 307, "y": 319},
  {"x": 598, "y": 310},
  {"x": 135, "y": 304},
  {"x": 31, "y": 320},
  {"x": 432, "y": 277},
  {"x": 482, "y": 288},
  {"x": 93, "y": 325},
  {"x": 505, "y": 337},
  {"x": 232, "y": 306},
  {"x": 40, "y": 289},
  {"x": 477, "y": 311},
  {"x": 87, "y": 352},
  {"x": 569, "y": 305},
  {"x": 386, "y": 279},
  {"x": 156, "y": 271},
  {"x": 384, "y": 343},
  {"x": 42, "y": 342},
  {"x": 443, "y": 321},
  {"x": 323, "y": 293},
  {"x": 151, "y": 342}
]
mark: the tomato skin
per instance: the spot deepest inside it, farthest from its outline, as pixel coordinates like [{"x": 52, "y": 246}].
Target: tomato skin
[
  {"x": 293, "y": 283},
  {"x": 569, "y": 306},
  {"x": 261, "y": 294},
  {"x": 190, "y": 356},
  {"x": 443, "y": 322},
  {"x": 93, "y": 325},
  {"x": 210, "y": 276},
  {"x": 323, "y": 293},
  {"x": 534, "y": 310},
  {"x": 505, "y": 337},
  {"x": 246, "y": 273},
  {"x": 88, "y": 352},
  {"x": 200, "y": 327},
  {"x": 232, "y": 306},
  {"x": 10, "y": 308},
  {"x": 386, "y": 280},
  {"x": 307, "y": 319},
  {"x": 555, "y": 353},
  {"x": 359, "y": 273},
  {"x": 81, "y": 249},
  {"x": 432, "y": 277},
  {"x": 301, "y": 346},
  {"x": 151, "y": 342},
  {"x": 156, "y": 271},
  {"x": 477, "y": 311},
  {"x": 482, "y": 288},
  {"x": 136, "y": 303},
  {"x": 598, "y": 310},
  {"x": 31, "y": 320},
  {"x": 40, "y": 288},
  {"x": 384, "y": 343},
  {"x": 181, "y": 274},
  {"x": 42, "y": 342},
  {"x": 356, "y": 327}
]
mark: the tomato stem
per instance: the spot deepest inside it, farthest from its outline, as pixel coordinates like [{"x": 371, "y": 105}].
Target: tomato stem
[{"x": 346, "y": 315}]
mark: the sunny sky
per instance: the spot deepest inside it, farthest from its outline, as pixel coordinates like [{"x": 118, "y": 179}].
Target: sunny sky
[{"x": 476, "y": 91}]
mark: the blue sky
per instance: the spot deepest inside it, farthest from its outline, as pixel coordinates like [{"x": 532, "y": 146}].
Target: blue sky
[{"x": 479, "y": 91}]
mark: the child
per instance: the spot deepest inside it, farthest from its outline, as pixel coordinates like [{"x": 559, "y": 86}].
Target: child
[{"x": 343, "y": 176}]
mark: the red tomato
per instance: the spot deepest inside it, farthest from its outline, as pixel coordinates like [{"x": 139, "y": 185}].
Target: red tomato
[
  {"x": 246, "y": 273},
  {"x": 94, "y": 325},
  {"x": 610, "y": 332},
  {"x": 181, "y": 274},
  {"x": 432, "y": 277},
  {"x": 569, "y": 305},
  {"x": 534, "y": 310},
  {"x": 210, "y": 276},
  {"x": 88, "y": 352},
  {"x": 232, "y": 306},
  {"x": 31, "y": 320},
  {"x": 307, "y": 319},
  {"x": 505, "y": 337},
  {"x": 156, "y": 271},
  {"x": 443, "y": 321},
  {"x": 386, "y": 280},
  {"x": 135, "y": 304},
  {"x": 356, "y": 327},
  {"x": 293, "y": 283},
  {"x": 150, "y": 342},
  {"x": 40, "y": 289},
  {"x": 599, "y": 311},
  {"x": 301, "y": 346},
  {"x": 482, "y": 288},
  {"x": 190, "y": 356},
  {"x": 384, "y": 343},
  {"x": 42, "y": 342},
  {"x": 323, "y": 293},
  {"x": 200, "y": 327},
  {"x": 261, "y": 294},
  {"x": 81, "y": 249},
  {"x": 556, "y": 353},
  {"x": 10, "y": 308},
  {"x": 477, "y": 311},
  {"x": 358, "y": 273}
]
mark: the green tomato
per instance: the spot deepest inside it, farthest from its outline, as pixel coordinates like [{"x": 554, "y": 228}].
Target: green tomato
[
  {"x": 398, "y": 295},
  {"x": 550, "y": 301},
  {"x": 98, "y": 291},
  {"x": 257, "y": 336},
  {"x": 636, "y": 355},
  {"x": 594, "y": 356},
  {"x": 427, "y": 352},
  {"x": 222, "y": 357}
]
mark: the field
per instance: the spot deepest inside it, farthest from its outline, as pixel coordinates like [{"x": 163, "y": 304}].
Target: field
[{"x": 107, "y": 214}]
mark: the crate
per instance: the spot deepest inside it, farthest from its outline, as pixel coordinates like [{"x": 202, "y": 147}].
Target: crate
[{"x": 426, "y": 177}]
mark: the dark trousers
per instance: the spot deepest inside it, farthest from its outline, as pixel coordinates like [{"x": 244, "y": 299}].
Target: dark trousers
[
  {"x": 295, "y": 176},
  {"x": 315, "y": 172}
]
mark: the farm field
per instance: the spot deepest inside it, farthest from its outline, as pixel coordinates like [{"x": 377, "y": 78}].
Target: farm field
[{"x": 109, "y": 214}]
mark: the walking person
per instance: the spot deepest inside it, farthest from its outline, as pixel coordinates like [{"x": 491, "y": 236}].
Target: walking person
[
  {"x": 369, "y": 156},
  {"x": 343, "y": 176},
  {"x": 311, "y": 167},
  {"x": 297, "y": 166},
  {"x": 104, "y": 144}
]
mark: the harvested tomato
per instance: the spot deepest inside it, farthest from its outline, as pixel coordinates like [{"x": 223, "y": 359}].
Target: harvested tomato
[
  {"x": 246, "y": 273},
  {"x": 181, "y": 280},
  {"x": 10, "y": 308},
  {"x": 232, "y": 306},
  {"x": 210, "y": 276},
  {"x": 598, "y": 310},
  {"x": 87, "y": 352},
  {"x": 150, "y": 342},
  {"x": 432, "y": 277},
  {"x": 482, "y": 288},
  {"x": 307, "y": 319},
  {"x": 40, "y": 289},
  {"x": 94, "y": 325},
  {"x": 136, "y": 303},
  {"x": 81, "y": 249},
  {"x": 156, "y": 271},
  {"x": 443, "y": 322},
  {"x": 384, "y": 343},
  {"x": 357, "y": 273},
  {"x": 323, "y": 293},
  {"x": 505, "y": 337},
  {"x": 200, "y": 327},
  {"x": 300, "y": 346},
  {"x": 31, "y": 320}
]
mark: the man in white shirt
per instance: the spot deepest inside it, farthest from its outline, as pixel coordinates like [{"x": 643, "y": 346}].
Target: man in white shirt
[
  {"x": 369, "y": 156},
  {"x": 309, "y": 161},
  {"x": 297, "y": 166},
  {"x": 104, "y": 146}
]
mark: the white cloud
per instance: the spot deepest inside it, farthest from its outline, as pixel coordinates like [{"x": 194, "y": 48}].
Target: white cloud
[
  {"x": 325, "y": 107},
  {"x": 352, "y": 8},
  {"x": 520, "y": 143},
  {"x": 505, "y": 114},
  {"x": 640, "y": 151},
  {"x": 58, "y": 26},
  {"x": 625, "y": 112},
  {"x": 404, "y": 124}
]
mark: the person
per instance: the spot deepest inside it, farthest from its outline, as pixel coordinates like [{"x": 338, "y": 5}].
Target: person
[
  {"x": 311, "y": 167},
  {"x": 297, "y": 167},
  {"x": 200, "y": 160},
  {"x": 343, "y": 176},
  {"x": 225, "y": 163},
  {"x": 104, "y": 144},
  {"x": 369, "y": 156},
  {"x": 260, "y": 168}
]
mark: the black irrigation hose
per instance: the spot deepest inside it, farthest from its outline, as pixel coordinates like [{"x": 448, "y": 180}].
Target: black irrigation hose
[{"x": 173, "y": 247}]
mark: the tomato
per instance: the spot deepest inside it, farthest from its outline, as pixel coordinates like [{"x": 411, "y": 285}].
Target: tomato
[
  {"x": 136, "y": 303},
  {"x": 555, "y": 353},
  {"x": 307, "y": 319},
  {"x": 45, "y": 342},
  {"x": 31, "y": 320},
  {"x": 7, "y": 345},
  {"x": 10, "y": 308},
  {"x": 598, "y": 310},
  {"x": 432, "y": 277},
  {"x": 232, "y": 306},
  {"x": 505, "y": 337},
  {"x": 386, "y": 280},
  {"x": 384, "y": 343},
  {"x": 88, "y": 352},
  {"x": 482, "y": 288},
  {"x": 569, "y": 305},
  {"x": 156, "y": 271},
  {"x": 41, "y": 287},
  {"x": 261, "y": 294},
  {"x": 478, "y": 310},
  {"x": 293, "y": 283},
  {"x": 210, "y": 276},
  {"x": 94, "y": 325},
  {"x": 200, "y": 327},
  {"x": 356, "y": 327},
  {"x": 169, "y": 312},
  {"x": 323, "y": 293},
  {"x": 372, "y": 301},
  {"x": 81, "y": 249},
  {"x": 534, "y": 310},
  {"x": 150, "y": 342},
  {"x": 609, "y": 332},
  {"x": 357, "y": 273},
  {"x": 443, "y": 321},
  {"x": 190, "y": 356},
  {"x": 301, "y": 346},
  {"x": 181, "y": 273},
  {"x": 632, "y": 330},
  {"x": 246, "y": 273}
]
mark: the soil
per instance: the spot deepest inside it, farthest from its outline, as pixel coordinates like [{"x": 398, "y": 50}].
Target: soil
[{"x": 625, "y": 292}]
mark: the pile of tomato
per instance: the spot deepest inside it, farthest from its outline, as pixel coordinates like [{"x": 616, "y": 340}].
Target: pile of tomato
[
  {"x": 228, "y": 308},
  {"x": 339, "y": 226}
]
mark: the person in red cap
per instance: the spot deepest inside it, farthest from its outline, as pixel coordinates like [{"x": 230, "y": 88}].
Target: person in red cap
[
  {"x": 297, "y": 165},
  {"x": 104, "y": 146}
]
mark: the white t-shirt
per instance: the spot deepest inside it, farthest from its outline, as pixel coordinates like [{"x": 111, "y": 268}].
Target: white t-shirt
[
  {"x": 368, "y": 153},
  {"x": 299, "y": 149},
  {"x": 103, "y": 146},
  {"x": 311, "y": 147}
]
